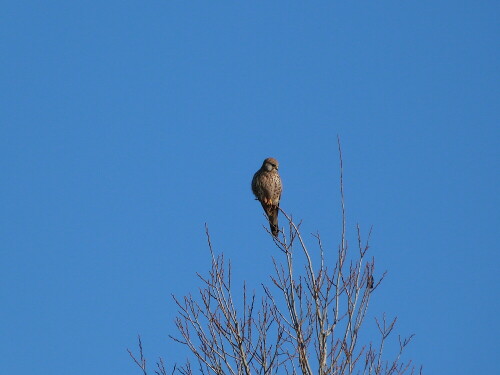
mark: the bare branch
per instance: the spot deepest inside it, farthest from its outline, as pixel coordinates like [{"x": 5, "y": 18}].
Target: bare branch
[{"x": 307, "y": 320}]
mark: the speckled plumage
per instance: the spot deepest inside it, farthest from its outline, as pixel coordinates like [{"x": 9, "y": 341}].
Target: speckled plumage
[{"x": 267, "y": 188}]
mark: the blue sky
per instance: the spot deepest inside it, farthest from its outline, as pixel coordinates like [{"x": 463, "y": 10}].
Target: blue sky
[{"x": 125, "y": 126}]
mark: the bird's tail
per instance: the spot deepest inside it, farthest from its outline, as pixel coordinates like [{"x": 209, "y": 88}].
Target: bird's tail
[{"x": 273, "y": 220}]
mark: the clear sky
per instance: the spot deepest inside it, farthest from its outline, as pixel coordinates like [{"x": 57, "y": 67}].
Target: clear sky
[{"x": 126, "y": 125}]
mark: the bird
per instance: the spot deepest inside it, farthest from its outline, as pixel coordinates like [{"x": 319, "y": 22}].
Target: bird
[{"x": 267, "y": 188}]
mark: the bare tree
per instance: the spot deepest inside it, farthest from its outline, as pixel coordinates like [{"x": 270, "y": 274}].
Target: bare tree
[{"x": 308, "y": 319}]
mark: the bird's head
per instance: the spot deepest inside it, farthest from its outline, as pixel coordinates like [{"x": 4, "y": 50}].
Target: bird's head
[{"x": 270, "y": 164}]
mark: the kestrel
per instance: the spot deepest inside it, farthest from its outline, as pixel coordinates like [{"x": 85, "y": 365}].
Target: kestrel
[{"x": 266, "y": 185}]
